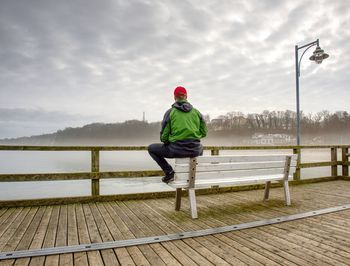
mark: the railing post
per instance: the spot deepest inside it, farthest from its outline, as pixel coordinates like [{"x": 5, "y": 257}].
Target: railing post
[
  {"x": 334, "y": 167},
  {"x": 95, "y": 169},
  {"x": 214, "y": 151},
  {"x": 296, "y": 175},
  {"x": 345, "y": 160}
]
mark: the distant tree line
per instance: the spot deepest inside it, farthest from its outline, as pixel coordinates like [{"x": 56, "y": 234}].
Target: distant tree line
[
  {"x": 131, "y": 129},
  {"x": 233, "y": 125},
  {"x": 281, "y": 121}
]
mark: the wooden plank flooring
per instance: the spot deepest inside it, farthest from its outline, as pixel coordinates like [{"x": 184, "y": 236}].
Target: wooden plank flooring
[{"x": 319, "y": 240}]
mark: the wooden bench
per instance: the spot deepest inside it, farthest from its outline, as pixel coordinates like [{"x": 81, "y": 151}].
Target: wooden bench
[{"x": 216, "y": 171}]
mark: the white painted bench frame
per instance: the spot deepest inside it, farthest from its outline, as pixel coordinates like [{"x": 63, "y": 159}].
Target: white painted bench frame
[{"x": 215, "y": 171}]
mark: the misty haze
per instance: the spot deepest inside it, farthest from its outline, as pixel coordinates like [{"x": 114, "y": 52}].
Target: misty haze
[{"x": 234, "y": 128}]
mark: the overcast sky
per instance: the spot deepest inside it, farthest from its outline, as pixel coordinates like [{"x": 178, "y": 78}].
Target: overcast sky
[{"x": 69, "y": 63}]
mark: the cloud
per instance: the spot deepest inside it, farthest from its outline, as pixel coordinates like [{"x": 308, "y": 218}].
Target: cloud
[
  {"x": 19, "y": 122},
  {"x": 114, "y": 60},
  {"x": 21, "y": 114}
]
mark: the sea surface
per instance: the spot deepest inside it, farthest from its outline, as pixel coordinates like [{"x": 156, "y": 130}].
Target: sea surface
[{"x": 19, "y": 162}]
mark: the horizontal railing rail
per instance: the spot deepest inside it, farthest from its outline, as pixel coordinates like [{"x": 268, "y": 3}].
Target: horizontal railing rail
[
  {"x": 133, "y": 148},
  {"x": 95, "y": 174}
]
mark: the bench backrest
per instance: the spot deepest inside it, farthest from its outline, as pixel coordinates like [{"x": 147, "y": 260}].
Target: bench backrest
[{"x": 234, "y": 166}]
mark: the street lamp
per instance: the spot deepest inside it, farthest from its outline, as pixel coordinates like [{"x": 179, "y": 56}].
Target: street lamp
[{"x": 318, "y": 56}]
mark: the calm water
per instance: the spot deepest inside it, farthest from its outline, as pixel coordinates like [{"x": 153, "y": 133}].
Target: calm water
[{"x": 79, "y": 161}]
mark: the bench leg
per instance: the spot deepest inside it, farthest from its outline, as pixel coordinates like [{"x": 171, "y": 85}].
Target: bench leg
[
  {"x": 286, "y": 192},
  {"x": 267, "y": 190},
  {"x": 178, "y": 199},
  {"x": 193, "y": 205}
]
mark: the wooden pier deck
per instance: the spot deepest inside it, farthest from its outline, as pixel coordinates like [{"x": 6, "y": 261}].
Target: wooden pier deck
[{"x": 318, "y": 240}]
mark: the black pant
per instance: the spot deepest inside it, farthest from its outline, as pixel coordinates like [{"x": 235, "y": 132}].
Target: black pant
[{"x": 160, "y": 151}]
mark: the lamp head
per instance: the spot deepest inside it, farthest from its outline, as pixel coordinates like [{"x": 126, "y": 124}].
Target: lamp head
[{"x": 319, "y": 55}]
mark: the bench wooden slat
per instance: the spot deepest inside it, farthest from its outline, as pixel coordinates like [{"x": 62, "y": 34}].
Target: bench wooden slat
[
  {"x": 213, "y": 175},
  {"x": 235, "y": 158},
  {"x": 228, "y": 182},
  {"x": 207, "y": 167}
]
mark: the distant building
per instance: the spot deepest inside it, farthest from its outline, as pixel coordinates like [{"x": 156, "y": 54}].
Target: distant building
[{"x": 271, "y": 139}]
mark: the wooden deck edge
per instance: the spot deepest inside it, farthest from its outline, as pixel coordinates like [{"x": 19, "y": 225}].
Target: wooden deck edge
[
  {"x": 153, "y": 195},
  {"x": 344, "y": 178},
  {"x": 84, "y": 199}
]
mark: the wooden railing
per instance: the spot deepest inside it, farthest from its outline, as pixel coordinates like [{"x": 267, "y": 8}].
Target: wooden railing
[{"x": 95, "y": 174}]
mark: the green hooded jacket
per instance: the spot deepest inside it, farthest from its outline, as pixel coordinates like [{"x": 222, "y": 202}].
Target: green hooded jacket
[{"x": 182, "y": 122}]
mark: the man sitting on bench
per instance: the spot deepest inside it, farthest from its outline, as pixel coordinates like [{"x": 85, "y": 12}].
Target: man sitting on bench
[{"x": 182, "y": 128}]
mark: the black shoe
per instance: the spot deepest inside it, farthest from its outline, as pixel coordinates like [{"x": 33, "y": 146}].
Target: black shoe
[{"x": 169, "y": 177}]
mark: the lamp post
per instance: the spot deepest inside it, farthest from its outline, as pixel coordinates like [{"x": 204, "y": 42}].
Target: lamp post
[{"x": 318, "y": 56}]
